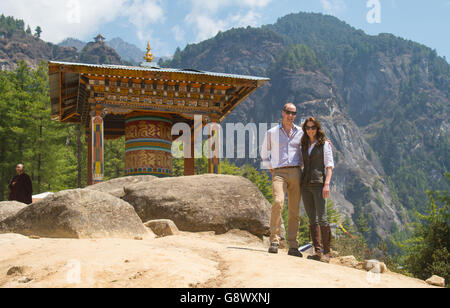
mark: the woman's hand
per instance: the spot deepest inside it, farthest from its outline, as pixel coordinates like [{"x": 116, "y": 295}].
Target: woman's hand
[{"x": 326, "y": 191}]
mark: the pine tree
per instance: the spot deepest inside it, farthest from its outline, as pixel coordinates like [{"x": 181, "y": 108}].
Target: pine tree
[
  {"x": 428, "y": 251},
  {"x": 38, "y": 32}
]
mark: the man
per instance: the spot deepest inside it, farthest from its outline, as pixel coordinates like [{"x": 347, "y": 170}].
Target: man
[
  {"x": 21, "y": 188},
  {"x": 282, "y": 156}
]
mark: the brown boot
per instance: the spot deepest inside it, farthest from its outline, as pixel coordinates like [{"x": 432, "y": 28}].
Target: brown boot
[
  {"x": 326, "y": 240},
  {"x": 314, "y": 231}
]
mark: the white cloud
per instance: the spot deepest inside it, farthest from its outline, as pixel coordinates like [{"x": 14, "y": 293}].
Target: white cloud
[
  {"x": 255, "y": 3},
  {"x": 142, "y": 13},
  {"x": 206, "y": 26},
  {"x": 203, "y": 15},
  {"x": 60, "y": 19},
  {"x": 178, "y": 33},
  {"x": 333, "y": 7}
]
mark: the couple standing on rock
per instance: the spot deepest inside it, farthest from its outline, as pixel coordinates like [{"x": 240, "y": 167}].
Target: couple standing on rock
[{"x": 286, "y": 148}]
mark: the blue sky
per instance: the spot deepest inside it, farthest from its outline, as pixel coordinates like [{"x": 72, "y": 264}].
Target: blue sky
[{"x": 168, "y": 24}]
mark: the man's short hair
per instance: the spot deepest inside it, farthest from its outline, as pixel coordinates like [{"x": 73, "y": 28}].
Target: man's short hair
[{"x": 288, "y": 104}]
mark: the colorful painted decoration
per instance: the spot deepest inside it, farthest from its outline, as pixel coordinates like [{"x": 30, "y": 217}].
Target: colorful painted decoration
[
  {"x": 148, "y": 144},
  {"x": 97, "y": 150}
]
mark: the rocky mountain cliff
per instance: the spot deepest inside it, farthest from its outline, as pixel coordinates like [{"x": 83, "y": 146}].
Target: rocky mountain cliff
[
  {"x": 99, "y": 52},
  {"x": 130, "y": 53},
  {"x": 73, "y": 42},
  {"x": 384, "y": 103},
  {"x": 32, "y": 50},
  {"x": 16, "y": 44}
]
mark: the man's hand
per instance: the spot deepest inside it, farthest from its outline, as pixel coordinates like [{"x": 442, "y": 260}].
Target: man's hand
[
  {"x": 271, "y": 171},
  {"x": 326, "y": 191}
]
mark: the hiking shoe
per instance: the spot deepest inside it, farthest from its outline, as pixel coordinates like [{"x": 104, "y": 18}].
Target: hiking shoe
[
  {"x": 273, "y": 248},
  {"x": 295, "y": 253},
  {"x": 315, "y": 257}
]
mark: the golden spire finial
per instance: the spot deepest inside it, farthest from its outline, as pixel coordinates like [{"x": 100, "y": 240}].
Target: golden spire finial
[{"x": 149, "y": 57}]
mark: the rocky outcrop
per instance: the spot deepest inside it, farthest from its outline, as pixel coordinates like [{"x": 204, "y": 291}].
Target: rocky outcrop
[
  {"x": 10, "y": 208},
  {"x": 162, "y": 227},
  {"x": 21, "y": 47},
  {"x": 33, "y": 50},
  {"x": 348, "y": 261},
  {"x": 99, "y": 53},
  {"x": 375, "y": 266},
  {"x": 203, "y": 203},
  {"x": 436, "y": 281},
  {"x": 79, "y": 213},
  {"x": 115, "y": 186}
]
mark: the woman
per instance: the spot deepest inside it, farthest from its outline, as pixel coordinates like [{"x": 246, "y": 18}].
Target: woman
[{"x": 318, "y": 169}]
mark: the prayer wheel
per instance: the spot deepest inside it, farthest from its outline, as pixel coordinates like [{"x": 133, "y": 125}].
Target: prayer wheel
[{"x": 148, "y": 144}]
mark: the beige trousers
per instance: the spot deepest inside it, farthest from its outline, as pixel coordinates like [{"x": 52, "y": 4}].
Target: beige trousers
[{"x": 286, "y": 181}]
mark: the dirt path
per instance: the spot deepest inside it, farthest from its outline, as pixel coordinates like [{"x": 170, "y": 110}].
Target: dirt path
[{"x": 235, "y": 259}]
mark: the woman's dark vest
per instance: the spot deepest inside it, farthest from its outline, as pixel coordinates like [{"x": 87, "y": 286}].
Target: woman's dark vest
[{"x": 314, "y": 166}]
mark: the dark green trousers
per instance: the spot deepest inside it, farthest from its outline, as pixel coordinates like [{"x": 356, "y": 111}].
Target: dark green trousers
[{"x": 315, "y": 204}]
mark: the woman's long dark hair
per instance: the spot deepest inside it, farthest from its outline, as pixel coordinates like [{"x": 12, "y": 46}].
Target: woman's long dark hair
[{"x": 320, "y": 133}]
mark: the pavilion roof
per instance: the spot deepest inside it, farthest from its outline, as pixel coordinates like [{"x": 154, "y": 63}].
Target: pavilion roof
[{"x": 75, "y": 88}]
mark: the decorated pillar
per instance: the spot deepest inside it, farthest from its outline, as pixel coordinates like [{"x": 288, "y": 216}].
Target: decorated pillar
[
  {"x": 98, "y": 164},
  {"x": 148, "y": 144},
  {"x": 95, "y": 142}
]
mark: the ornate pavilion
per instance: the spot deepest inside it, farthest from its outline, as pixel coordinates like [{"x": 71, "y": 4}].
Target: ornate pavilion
[{"x": 142, "y": 103}]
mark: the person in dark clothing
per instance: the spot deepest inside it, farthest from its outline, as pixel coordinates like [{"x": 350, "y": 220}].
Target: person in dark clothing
[
  {"x": 316, "y": 178},
  {"x": 21, "y": 188}
]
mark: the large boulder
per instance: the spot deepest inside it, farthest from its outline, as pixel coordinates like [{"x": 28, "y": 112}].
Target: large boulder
[
  {"x": 78, "y": 213},
  {"x": 203, "y": 203},
  {"x": 115, "y": 186},
  {"x": 10, "y": 208}
]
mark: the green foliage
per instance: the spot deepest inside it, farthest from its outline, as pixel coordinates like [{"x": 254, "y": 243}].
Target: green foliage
[
  {"x": 38, "y": 32},
  {"x": 347, "y": 245},
  {"x": 408, "y": 166},
  {"x": 28, "y": 134},
  {"x": 114, "y": 158},
  {"x": 9, "y": 25},
  {"x": 233, "y": 37},
  {"x": 428, "y": 250},
  {"x": 298, "y": 56}
]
